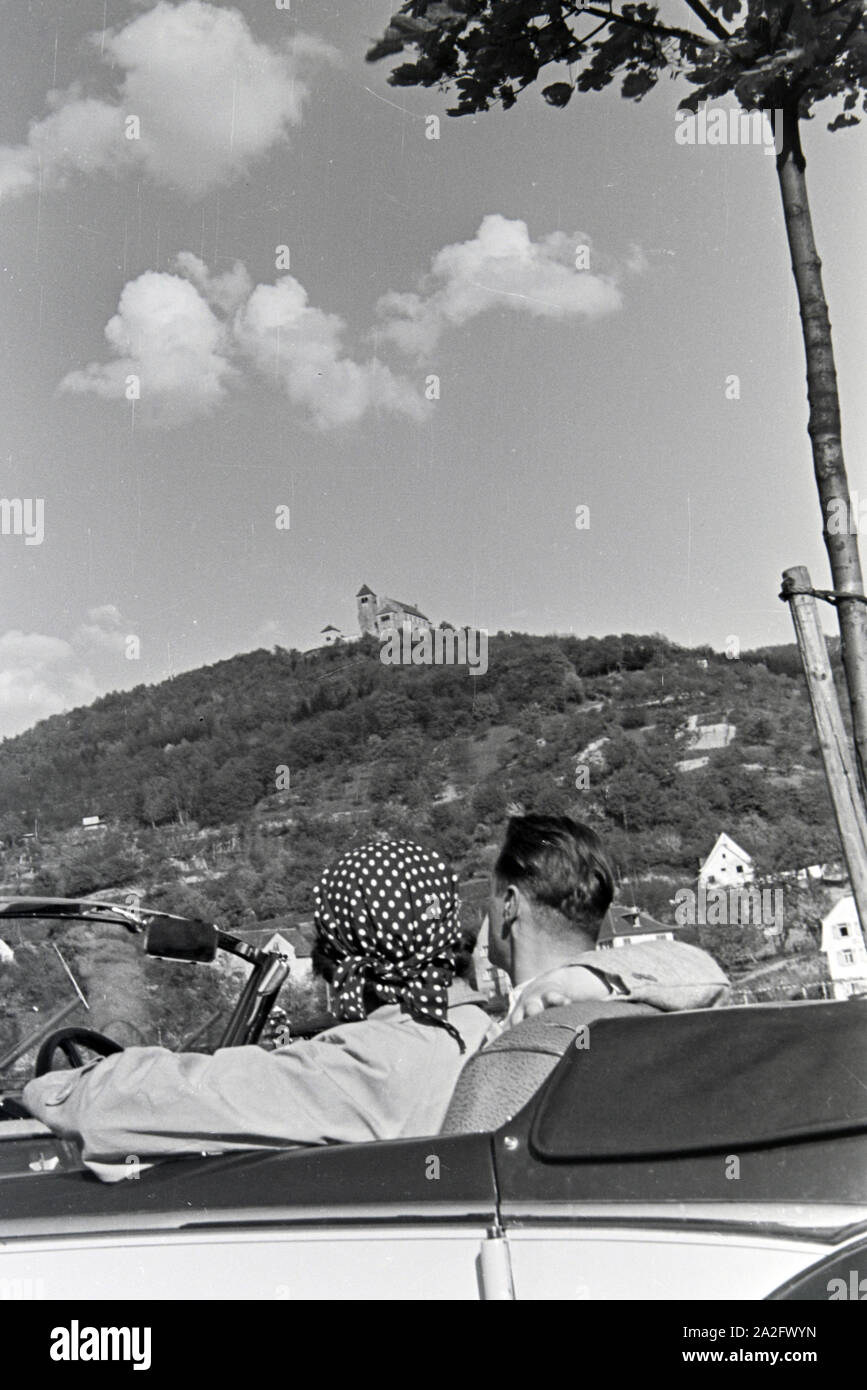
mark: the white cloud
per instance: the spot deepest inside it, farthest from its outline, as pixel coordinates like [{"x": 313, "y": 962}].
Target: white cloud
[
  {"x": 104, "y": 631},
  {"x": 499, "y": 268},
  {"x": 209, "y": 99},
  {"x": 185, "y": 351},
  {"x": 301, "y": 347},
  {"x": 39, "y": 676},
  {"x": 42, "y": 675},
  {"x": 83, "y": 134},
  {"x": 171, "y": 349},
  {"x": 188, "y": 336},
  {"x": 226, "y": 291}
]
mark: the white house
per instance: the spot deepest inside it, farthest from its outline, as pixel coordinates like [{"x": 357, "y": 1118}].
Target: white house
[
  {"x": 300, "y": 967},
  {"x": 726, "y": 866},
  {"x": 492, "y": 982},
  {"x": 843, "y": 944}
]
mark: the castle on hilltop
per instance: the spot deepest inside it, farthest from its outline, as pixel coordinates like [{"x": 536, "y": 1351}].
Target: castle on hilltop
[{"x": 378, "y": 616}]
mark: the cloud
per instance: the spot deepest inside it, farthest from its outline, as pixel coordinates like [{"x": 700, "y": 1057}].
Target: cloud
[
  {"x": 227, "y": 291},
  {"x": 208, "y": 98},
  {"x": 184, "y": 338},
  {"x": 171, "y": 349},
  {"x": 499, "y": 268},
  {"x": 187, "y": 337},
  {"x": 83, "y": 134},
  {"x": 300, "y": 346},
  {"x": 42, "y": 675},
  {"x": 104, "y": 631},
  {"x": 39, "y": 676}
]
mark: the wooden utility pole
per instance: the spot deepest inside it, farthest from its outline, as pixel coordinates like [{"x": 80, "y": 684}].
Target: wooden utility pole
[{"x": 843, "y": 782}]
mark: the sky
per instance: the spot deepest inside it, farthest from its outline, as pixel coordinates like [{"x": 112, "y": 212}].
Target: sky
[{"x": 238, "y": 276}]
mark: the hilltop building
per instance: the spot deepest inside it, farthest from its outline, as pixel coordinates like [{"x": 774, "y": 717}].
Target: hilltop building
[
  {"x": 726, "y": 866},
  {"x": 843, "y": 944},
  {"x": 379, "y": 615}
]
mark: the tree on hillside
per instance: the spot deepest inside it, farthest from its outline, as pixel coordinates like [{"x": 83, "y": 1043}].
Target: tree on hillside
[{"x": 780, "y": 56}]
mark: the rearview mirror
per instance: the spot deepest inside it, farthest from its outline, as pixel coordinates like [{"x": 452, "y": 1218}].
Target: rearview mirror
[{"x": 192, "y": 941}]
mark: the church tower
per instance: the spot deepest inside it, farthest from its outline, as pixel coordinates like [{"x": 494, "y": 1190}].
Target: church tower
[{"x": 367, "y": 606}]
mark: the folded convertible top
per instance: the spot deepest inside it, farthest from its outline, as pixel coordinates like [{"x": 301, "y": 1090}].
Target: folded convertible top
[{"x": 716, "y": 1080}]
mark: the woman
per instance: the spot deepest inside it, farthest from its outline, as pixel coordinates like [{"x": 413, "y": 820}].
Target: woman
[{"x": 389, "y": 940}]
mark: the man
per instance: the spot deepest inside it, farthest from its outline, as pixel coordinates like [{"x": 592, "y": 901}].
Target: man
[{"x": 551, "y": 888}]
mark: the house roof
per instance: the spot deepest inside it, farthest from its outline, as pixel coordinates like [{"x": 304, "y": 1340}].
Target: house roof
[
  {"x": 365, "y": 589},
  {"x": 388, "y": 605},
  {"x": 724, "y": 841},
  {"x": 629, "y": 921},
  {"x": 299, "y": 933},
  {"x": 844, "y": 910},
  {"x": 331, "y": 628}
]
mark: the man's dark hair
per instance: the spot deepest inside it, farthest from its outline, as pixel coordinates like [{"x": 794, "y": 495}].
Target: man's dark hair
[{"x": 560, "y": 864}]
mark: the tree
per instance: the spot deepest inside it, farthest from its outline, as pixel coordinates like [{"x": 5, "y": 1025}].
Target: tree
[
  {"x": 12, "y": 827},
  {"x": 783, "y": 57},
  {"x": 158, "y": 802}
]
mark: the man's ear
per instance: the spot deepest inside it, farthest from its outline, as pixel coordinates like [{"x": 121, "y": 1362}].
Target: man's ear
[{"x": 511, "y": 908}]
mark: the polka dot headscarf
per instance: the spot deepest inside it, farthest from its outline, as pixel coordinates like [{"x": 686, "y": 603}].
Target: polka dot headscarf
[{"x": 387, "y": 914}]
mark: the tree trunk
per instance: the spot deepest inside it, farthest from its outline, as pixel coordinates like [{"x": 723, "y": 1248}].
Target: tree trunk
[{"x": 824, "y": 431}]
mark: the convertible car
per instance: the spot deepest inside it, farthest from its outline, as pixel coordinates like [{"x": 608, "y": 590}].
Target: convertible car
[{"x": 714, "y": 1154}]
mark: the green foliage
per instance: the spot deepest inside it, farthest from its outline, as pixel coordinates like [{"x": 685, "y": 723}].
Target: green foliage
[
  {"x": 788, "y": 54},
  {"x": 426, "y": 752},
  {"x": 104, "y": 860},
  {"x": 735, "y": 948}
]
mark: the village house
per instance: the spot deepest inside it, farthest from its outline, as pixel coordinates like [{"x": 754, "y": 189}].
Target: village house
[
  {"x": 726, "y": 866},
  {"x": 843, "y": 945},
  {"x": 629, "y": 926},
  {"x": 286, "y": 936}
]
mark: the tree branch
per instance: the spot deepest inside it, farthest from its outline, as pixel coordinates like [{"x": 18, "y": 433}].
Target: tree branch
[
  {"x": 709, "y": 19},
  {"x": 614, "y": 18}
]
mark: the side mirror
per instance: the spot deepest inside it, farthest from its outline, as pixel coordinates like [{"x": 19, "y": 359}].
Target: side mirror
[{"x": 173, "y": 940}]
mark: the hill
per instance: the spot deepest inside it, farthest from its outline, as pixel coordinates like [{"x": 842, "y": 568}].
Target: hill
[{"x": 272, "y": 762}]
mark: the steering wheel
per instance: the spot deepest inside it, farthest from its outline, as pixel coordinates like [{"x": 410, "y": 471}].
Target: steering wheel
[{"x": 67, "y": 1041}]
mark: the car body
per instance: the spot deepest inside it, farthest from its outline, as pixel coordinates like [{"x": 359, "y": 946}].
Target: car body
[{"x": 712, "y": 1154}]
